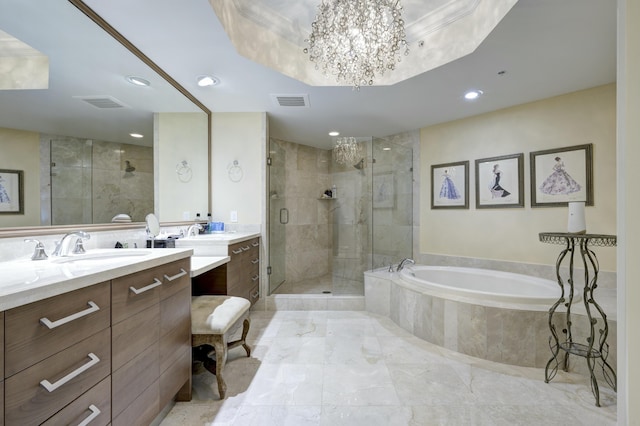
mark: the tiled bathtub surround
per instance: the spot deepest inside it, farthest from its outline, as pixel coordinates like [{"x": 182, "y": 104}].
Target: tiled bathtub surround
[{"x": 515, "y": 335}]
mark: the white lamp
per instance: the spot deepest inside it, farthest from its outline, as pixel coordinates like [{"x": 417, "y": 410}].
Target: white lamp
[{"x": 576, "y": 223}]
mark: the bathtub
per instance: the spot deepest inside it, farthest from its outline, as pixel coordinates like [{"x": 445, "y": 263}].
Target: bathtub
[
  {"x": 484, "y": 285},
  {"x": 497, "y": 316}
]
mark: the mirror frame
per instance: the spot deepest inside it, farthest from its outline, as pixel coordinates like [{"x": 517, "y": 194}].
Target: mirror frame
[{"x": 48, "y": 230}]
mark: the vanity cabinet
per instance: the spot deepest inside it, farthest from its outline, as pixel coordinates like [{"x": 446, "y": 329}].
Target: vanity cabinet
[
  {"x": 151, "y": 340},
  {"x": 1, "y": 368},
  {"x": 115, "y": 352},
  {"x": 56, "y": 350},
  {"x": 239, "y": 277}
]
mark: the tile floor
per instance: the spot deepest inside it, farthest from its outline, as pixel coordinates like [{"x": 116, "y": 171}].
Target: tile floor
[{"x": 356, "y": 368}]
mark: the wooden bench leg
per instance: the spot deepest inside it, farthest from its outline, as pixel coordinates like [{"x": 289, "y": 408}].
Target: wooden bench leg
[
  {"x": 220, "y": 346},
  {"x": 245, "y": 330}
]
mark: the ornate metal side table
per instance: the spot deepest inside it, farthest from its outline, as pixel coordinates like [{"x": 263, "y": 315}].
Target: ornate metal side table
[{"x": 595, "y": 349}]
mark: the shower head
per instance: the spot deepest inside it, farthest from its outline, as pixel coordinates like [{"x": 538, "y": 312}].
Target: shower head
[{"x": 360, "y": 164}]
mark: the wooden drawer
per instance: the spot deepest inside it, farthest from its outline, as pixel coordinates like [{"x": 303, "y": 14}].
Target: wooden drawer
[
  {"x": 133, "y": 378},
  {"x": 142, "y": 410},
  {"x": 1, "y": 354},
  {"x": 94, "y": 407},
  {"x": 175, "y": 277},
  {"x": 175, "y": 328},
  {"x": 134, "y": 293},
  {"x": 28, "y": 340},
  {"x": 173, "y": 379},
  {"x": 254, "y": 294},
  {"x": 28, "y": 402},
  {"x": 134, "y": 335}
]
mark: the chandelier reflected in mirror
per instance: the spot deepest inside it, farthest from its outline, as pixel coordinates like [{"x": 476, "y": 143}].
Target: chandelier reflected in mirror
[
  {"x": 346, "y": 150},
  {"x": 357, "y": 41}
]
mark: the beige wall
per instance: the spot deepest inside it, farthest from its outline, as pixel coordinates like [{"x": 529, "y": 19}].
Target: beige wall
[
  {"x": 181, "y": 137},
  {"x": 628, "y": 207},
  {"x": 511, "y": 234},
  {"x": 20, "y": 150},
  {"x": 238, "y": 137}
]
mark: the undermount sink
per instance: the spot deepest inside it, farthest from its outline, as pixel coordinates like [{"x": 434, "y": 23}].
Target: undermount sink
[{"x": 102, "y": 256}]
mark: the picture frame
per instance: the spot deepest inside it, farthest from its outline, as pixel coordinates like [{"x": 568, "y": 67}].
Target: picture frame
[
  {"x": 11, "y": 191},
  {"x": 500, "y": 182},
  {"x": 384, "y": 191},
  {"x": 450, "y": 185},
  {"x": 561, "y": 175}
]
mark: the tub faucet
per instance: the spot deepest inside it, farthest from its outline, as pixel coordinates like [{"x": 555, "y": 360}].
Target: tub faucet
[
  {"x": 62, "y": 248},
  {"x": 404, "y": 262}
]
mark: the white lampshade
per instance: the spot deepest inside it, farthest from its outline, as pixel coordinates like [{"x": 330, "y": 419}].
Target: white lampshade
[{"x": 577, "y": 223}]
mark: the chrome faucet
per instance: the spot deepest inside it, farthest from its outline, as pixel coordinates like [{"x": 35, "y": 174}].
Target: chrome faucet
[
  {"x": 404, "y": 262},
  {"x": 38, "y": 253},
  {"x": 62, "y": 248},
  {"x": 192, "y": 230}
]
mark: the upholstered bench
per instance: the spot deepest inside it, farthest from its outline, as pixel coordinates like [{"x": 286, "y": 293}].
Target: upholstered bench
[{"x": 214, "y": 319}]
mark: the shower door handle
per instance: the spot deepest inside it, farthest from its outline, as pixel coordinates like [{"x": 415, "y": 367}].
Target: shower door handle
[{"x": 284, "y": 216}]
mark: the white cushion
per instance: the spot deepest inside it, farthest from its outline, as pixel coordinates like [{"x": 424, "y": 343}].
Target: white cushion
[{"x": 216, "y": 314}]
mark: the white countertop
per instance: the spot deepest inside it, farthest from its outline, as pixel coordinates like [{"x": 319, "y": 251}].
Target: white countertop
[
  {"x": 202, "y": 264},
  {"x": 24, "y": 281},
  {"x": 214, "y": 244}
]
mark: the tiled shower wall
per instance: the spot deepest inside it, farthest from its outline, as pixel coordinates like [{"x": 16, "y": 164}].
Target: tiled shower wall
[
  {"x": 85, "y": 181},
  {"x": 369, "y": 224}
]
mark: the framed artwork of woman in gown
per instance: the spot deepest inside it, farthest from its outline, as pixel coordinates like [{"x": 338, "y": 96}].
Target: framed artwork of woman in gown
[
  {"x": 450, "y": 185},
  {"x": 500, "y": 181},
  {"x": 11, "y": 192},
  {"x": 562, "y": 175}
]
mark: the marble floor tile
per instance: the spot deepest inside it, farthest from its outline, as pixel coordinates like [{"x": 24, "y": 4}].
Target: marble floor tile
[{"x": 355, "y": 368}]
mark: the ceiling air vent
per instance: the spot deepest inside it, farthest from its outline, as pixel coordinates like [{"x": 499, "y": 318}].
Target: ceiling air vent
[
  {"x": 291, "y": 100},
  {"x": 102, "y": 102}
]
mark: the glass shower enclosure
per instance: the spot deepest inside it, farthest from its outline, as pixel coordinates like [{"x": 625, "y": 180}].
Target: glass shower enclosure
[{"x": 322, "y": 245}]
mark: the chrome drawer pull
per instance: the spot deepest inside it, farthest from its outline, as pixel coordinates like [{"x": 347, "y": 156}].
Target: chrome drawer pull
[
  {"x": 255, "y": 244},
  {"x": 254, "y": 261},
  {"x": 256, "y": 294},
  {"x": 182, "y": 273},
  {"x": 246, "y": 248},
  {"x": 53, "y": 324},
  {"x": 53, "y": 386},
  {"x": 156, "y": 283},
  {"x": 95, "y": 412},
  {"x": 236, "y": 251},
  {"x": 255, "y": 277}
]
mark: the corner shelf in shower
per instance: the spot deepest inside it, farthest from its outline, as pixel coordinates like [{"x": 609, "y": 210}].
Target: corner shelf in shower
[{"x": 327, "y": 199}]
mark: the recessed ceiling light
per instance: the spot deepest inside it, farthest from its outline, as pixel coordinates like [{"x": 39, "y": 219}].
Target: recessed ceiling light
[
  {"x": 138, "y": 81},
  {"x": 386, "y": 149},
  {"x": 136, "y": 135},
  {"x": 207, "y": 80},
  {"x": 334, "y": 133},
  {"x": 472, "y": 94}
]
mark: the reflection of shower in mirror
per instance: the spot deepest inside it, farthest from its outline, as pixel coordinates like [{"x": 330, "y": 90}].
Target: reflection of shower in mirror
[{"x": 129, "y": 169}]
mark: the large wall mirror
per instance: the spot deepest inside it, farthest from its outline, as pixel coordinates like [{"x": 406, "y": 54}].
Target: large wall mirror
[{"x": 71, "y": 105}]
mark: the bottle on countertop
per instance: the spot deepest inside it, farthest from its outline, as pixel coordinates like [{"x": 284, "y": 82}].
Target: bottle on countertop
[
  {"x": 209, "y": 225},
  {"x": 334, "y": 191},
  {"x": 198, "y": 220}
]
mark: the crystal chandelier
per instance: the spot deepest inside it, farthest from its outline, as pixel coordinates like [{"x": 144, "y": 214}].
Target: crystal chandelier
[
  {"x": 346, "y": 150},
  {"x": 357, "y": 40}
]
